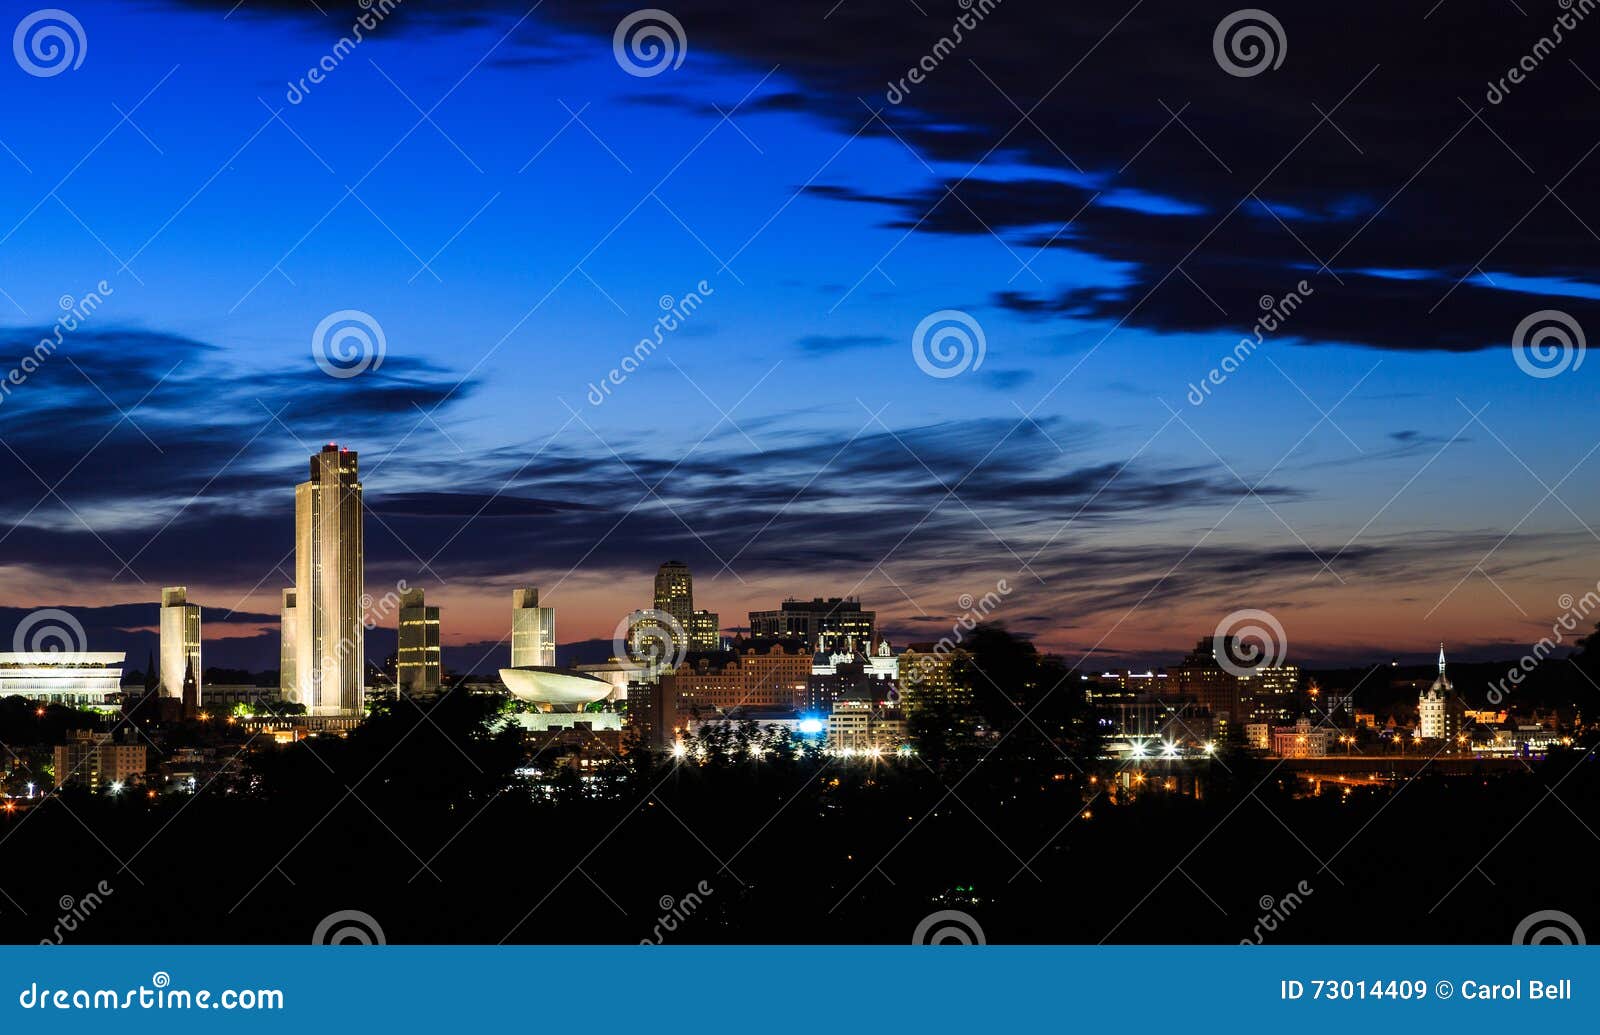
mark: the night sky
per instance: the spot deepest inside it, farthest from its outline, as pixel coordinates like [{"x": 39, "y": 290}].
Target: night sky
[{"x": 1090, "y": 186}]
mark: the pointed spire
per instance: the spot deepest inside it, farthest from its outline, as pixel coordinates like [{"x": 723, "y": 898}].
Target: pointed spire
[{"x": 1441, "y": 659}]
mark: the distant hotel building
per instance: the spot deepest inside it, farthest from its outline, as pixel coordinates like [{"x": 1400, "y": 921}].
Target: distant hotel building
[
  {"x": 763, "y": 677},
  {"x": 419, "y": 668},
  {"x": 97, "y": 760},
  {"x": 533, "y": 630},
  {"x": 834, "y": 624},
  {"x": 180, "y": 642},
  {"x": 328, "y": 633}
]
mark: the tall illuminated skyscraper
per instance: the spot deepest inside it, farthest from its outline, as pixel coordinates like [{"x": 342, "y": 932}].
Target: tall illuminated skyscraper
[
  {"x": 329, "y": 648},
  {"x": 533, "y": 630},
  {"x": 180, "y": 640},
  {"x": 675, "y": 596}
]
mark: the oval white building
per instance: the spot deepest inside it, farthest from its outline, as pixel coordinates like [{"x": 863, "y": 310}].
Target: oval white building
[{"x": 561, "y": 688}]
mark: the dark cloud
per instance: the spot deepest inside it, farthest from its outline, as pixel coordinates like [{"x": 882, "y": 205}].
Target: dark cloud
[
  {"x": 1373, "y": 147},
  {"x": 139, "y": 455}
]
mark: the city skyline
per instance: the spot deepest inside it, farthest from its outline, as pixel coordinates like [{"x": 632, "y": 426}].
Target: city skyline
[{"x": 214, "y": 232}]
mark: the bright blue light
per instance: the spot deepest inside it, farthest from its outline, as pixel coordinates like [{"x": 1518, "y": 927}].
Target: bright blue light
[{"x": 810, "y": 725}]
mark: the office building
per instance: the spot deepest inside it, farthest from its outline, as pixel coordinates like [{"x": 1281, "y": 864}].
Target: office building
[
  {"x": 857, "y": 727},
  {"x": 705, "y": 631},
  {"x": 533, "y": 630},
  {"x": 674, "y": 596},
  {"x": 832, "y": 624},
  {"x": 1200, "y": 678},
  {"x": 330, "y": 662},
  {"x": 180, "y": 641},
  {"x": 1270, "y": 694},
  {"x": 928, "y": 679},
  {"x": 419, "y": 667}
]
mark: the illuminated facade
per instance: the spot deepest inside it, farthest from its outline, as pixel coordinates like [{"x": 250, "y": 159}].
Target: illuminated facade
[
  {"x": 927, "y": 678},
  {"x": 705, "y": 629},
  {"x": 1302, "y": 740},
  {"x": 419, "y": 668},
  {"x": 675, "y": 596},
  {"x": 1439, "y": 714},
  {"x": 773, "y": 678},
  {"x": 533, "y": 630},
  {"x": 329, "y": 649},
  {"x": 180, "y": 641},
  {"x": 97, "y": 760},
  {"x": 79, "y": 678},
  {"x": 1270, "y": 694},
  {"x": 857, "y": 727}
]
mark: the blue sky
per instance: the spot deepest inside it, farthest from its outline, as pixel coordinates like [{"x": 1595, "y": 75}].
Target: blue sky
[{"x": 515, "y": 244}]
